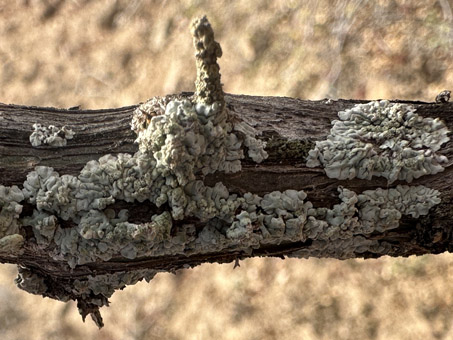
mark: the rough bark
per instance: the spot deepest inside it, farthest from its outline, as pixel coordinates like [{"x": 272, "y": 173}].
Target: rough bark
[{"x": 290, "y": 127}]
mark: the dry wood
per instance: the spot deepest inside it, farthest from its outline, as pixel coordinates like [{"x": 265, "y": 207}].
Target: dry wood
[
  {"x": 290, "y": 127},
  {"x": 284, "y": 122}
]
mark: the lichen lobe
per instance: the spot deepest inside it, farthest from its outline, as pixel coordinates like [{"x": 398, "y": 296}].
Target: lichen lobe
[
  {"x": 381, "y": 139},
  {"x": 51, "y": 135},
  {"x": 11, "y": 239},
  {"x": 179, "y": 142}
]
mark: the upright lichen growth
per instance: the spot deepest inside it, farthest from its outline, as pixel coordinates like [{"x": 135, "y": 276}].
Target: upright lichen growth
[
  {"x": 75, "y": 220},
  {"x": 208, "y": 85}
]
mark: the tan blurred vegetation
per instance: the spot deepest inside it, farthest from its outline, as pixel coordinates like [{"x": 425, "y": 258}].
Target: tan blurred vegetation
[{"x": 117, "y": 53}]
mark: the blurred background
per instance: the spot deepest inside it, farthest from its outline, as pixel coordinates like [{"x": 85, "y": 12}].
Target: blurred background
[{"x": 101, "y": 54}]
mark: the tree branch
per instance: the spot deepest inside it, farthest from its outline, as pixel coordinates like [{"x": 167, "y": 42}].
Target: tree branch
[{"x": 208, "y": 177}]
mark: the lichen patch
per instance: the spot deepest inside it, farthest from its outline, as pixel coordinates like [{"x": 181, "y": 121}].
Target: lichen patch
[
  {"x": 381, "y": 139},
  {"x": 50, "y": 135}
]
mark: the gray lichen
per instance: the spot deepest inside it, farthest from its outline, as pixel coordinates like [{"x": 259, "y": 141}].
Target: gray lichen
[
  {"x": 381, "y": 139},
  {"x": 105, "y": 285},
  {"x": 189, "y": 138},
  {"x": 185, "y": 140},
  {"x": 338, "y": 232},
  {"x": 11, "y": 239},
  {"x": 179, "y": 142},
  {"x": 50, "y": 135},
  {"x": 93, "y": 291},
  {"x": 208, "y": 85},
  {"x": 43, "y": 225},
  {"x": 381, "y": 209},
  {"x": 232, "y": 222}
]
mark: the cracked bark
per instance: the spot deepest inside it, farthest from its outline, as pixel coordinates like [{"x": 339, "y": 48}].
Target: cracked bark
[{"x": 287, "y": 125}]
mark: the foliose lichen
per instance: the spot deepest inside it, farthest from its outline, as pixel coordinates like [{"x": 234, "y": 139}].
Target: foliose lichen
[
  {"x": 180, "y": 141},
  {"x": 381, "y": 139},
  {"x": 105, "y": 285},
  {"x": 339, "y": 232},
  {"x": 50, "y": 135},
  {"x": 185, "y": 140},
  {"x": 189, "y": 138},
  {"x": 11, "y": 239},
  {"x": 272, "y": 219}
]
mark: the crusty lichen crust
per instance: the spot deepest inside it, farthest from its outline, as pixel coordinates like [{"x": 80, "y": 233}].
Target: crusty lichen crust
[{"x": 381, "y": 139}]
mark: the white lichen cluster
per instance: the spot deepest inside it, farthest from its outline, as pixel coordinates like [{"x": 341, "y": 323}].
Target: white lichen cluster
[
  {"x": 381, "y": 209},
  {"x": 234, "y": 223},
  {"x": 274, "y": 218},
  {"x": 340, "y": 232},
  {"x": 178, "y": 142},
  {"x": 187, "y": 139},
  {"x": 11, "y": 239},
  {"x": 101, "y": 233},
  {"x": 372, "y": 210},
  {"x": 381, "y": 139},
  {"x": 50, "y": 135},
  {"x": 194, "y": 138}
]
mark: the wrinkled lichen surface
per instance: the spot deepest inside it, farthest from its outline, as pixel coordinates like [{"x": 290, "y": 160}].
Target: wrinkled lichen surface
[
  {"x": 180, "y": 141},
  {"x": 51, "y": 135},
  {"x": 381, "y": 139}
]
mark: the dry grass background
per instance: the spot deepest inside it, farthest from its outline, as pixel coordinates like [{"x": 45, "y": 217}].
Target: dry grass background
[{"x": 116, "y": 53}]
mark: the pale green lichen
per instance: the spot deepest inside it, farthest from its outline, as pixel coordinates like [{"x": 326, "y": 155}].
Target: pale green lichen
[
  {"x": 91, "y": 290},
  {"x": 11, "y": 240},
  {"x": 381, "y": 139},
  {"x": 381, "y": 209},
  {"x": 189, "y": 138},
  {"x": 50, "y": 135},
  {"x": 181, "y": 141},
  {"x": 232, "y": 222},
  {"x": 43, "y": 225},
  {"x": 339, "y": 232},
  {"x": 207, "y": 50},
  {"x": 176, "y": 145}
]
